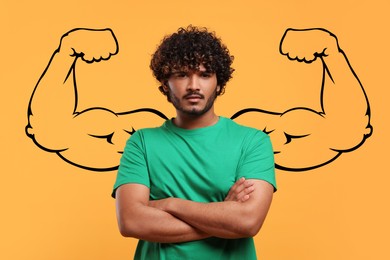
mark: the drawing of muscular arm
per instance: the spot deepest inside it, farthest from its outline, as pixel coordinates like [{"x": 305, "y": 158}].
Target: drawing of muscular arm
[
  {"x": 303, "y": 138},
  {"x": 93, "y": 138}
]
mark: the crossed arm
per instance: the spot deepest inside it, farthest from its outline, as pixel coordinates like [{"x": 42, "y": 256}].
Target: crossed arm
[{"x": 174, "y": 220}]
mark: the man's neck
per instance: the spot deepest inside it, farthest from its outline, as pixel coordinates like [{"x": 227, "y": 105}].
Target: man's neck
[{"x": 195, "y": 121}]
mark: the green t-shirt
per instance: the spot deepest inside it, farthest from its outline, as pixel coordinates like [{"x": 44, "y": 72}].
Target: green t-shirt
[{"x": 199, "y": 165}]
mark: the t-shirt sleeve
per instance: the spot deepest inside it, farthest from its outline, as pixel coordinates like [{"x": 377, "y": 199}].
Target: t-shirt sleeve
[
  {"x": 258, "y": 159},
  {"x": 133, "y": 167}
]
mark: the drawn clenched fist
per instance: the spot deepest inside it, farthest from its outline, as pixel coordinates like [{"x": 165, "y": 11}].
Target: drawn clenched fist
[
  {"x": 308, "y": 44},
  {"x": 92, "y": 45}
]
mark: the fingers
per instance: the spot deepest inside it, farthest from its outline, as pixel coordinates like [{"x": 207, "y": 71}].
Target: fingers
[
  {"x": 240, "y": 191},
  {"x": 107, "y": 46},
  {"x": 233, "y": 189},
  {"x": 92, "y": 45},
  {"x": 245, "y": 193},
  {"x": 306, "y": 45},
  {"x": 245, "y": 188}
]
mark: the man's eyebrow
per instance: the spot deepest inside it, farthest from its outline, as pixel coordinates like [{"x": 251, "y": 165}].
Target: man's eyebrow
[
  {"x": 178, "y": 72},
  {"x": 185, "y": 70}
]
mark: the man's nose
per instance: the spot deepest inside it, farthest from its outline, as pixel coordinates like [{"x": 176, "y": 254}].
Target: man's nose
[{"x": 193, "y": 83}]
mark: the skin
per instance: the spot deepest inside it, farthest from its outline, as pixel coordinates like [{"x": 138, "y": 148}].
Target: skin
[
  {"x": 227, "y": 219},
  {"x": 241, "y": 214},
  {"x": 143, "y": 219},
  {"x": 193, "y": 94}
]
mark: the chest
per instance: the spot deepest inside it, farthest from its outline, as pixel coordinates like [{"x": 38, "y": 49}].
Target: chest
[{"x": 193, "y": 169}]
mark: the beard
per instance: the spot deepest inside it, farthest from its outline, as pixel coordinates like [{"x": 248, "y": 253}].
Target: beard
[{"x": 193, "y": 111}]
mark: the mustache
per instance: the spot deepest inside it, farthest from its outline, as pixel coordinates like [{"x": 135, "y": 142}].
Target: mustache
[{"x": 194, "y": 93}]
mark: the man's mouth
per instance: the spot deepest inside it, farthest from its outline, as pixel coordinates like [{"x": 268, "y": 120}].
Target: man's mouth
[{"x": 193, "y": 97}]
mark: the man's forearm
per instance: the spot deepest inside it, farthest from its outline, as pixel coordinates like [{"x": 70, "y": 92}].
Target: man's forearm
[
  {"x": 185, "y": 220},
  {"x": 147, "y": 223},
  {"x": 228, "y": 219},
  {"x": 220, "y": 219}
]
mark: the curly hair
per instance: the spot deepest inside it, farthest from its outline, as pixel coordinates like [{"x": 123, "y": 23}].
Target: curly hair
[{"x": 186, "y": 50}]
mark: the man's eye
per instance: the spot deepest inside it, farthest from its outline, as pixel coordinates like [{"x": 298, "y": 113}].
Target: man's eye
[
  {"x": 206, "y": 75},
  {"x": 180, "y": 75}
]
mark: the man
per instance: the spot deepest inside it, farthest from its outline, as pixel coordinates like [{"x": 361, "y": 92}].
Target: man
[{"x": 199, "y": 186}]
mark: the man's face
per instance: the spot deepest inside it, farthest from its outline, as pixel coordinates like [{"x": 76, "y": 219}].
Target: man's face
[{"x": 192, "y": 92}]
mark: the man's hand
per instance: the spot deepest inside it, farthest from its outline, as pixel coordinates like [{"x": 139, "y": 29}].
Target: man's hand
[
  {"x": 240, "y": 191},
  {"x": 89, "y": 44},
  {"x": 308, "y": 44}
]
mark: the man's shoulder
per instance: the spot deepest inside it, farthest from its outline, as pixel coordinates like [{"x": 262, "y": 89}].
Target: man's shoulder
[
  {"x": 245, "y": 136},
  {"x": 152, "y": 130},
  {"x": 242, "y": 128},
  {"x": 146, "y": 133}
]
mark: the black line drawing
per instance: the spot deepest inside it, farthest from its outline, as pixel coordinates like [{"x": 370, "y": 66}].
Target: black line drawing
[{"x": 303, "y": 138}]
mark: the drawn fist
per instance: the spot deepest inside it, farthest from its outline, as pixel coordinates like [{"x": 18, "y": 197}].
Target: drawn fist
[
  {"x": 308, "y": 44},
  {"x": 92, "y": 45}
]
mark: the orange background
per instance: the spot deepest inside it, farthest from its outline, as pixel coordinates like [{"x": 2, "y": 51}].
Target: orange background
[{"x": 52, "y": 210}]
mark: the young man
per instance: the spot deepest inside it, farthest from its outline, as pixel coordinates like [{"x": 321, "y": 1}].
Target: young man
[{"x": 199, "y": 186}]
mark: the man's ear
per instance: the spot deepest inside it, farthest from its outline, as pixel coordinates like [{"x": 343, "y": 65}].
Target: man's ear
[
  {"x": 218, "y": 90},
  {"x": 165, "y": 88}
]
